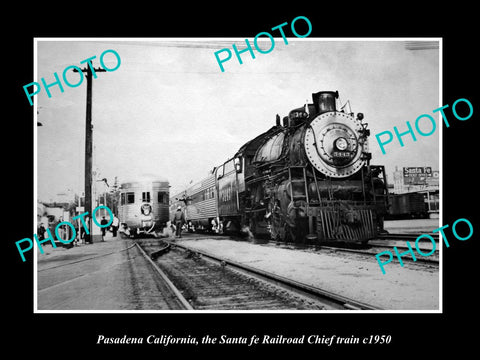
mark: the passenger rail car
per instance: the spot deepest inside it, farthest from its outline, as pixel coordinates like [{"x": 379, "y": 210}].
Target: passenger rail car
[
  {"x": 199, "y": 203},
  {"x": 306, "y": 179},
  {"x": 143, "y": 205}
]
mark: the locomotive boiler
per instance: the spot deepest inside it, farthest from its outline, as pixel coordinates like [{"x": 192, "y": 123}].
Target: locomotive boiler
[{"x": 306, "y": 179}]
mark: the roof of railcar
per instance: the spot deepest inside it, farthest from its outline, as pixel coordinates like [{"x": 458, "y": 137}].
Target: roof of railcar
[
  {"x": 197, "y": 186},
  {"x": 144, "y": 178}
]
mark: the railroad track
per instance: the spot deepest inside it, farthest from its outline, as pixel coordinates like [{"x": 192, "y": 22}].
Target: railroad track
[
  {"x": 376, "y": 249},
  {"x": 431, "y": 260},
  {"x": 208, "y": 282},
  {"x": 368, "y": 250},
  {"x": 372, "y": 248},
  {"x": 183, "y": 303},
  {"x": 413, "y": 237}
]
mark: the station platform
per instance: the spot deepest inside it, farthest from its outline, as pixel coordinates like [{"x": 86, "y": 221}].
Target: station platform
[{"x": 109, "y": 275}]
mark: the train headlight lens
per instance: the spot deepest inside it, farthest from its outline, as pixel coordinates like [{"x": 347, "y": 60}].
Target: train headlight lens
[{"x": 341, "y": 144}]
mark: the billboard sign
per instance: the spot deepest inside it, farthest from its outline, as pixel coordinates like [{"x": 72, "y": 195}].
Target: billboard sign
[
  {"x": 416, "y": 175},
  {"x": 434, "y": 179}
]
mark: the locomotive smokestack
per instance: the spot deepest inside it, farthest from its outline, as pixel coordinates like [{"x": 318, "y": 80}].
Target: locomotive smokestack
[
  {"x": 278, "y": 120},
  {"x": 325, "y": 101}
]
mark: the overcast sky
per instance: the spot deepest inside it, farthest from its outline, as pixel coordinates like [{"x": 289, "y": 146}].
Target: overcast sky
[{"x": 169, "y": 110}]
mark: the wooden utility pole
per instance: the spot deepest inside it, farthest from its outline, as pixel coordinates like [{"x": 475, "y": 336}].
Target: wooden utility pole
[{"x": 89, "y": 150}]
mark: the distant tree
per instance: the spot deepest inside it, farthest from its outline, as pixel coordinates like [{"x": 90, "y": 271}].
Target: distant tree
[{"x": 113, "y": 196}]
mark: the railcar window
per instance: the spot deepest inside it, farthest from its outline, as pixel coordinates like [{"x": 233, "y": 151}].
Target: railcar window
[
  {"x": 162, "y": 198},
  {"x": 130, "y": 198},
  {"x": 220, "y": 172},
  {"x": 195, "y": 198},
  {"x": 146, "y": 196},
  {"x": 229, "y": 167},
  {"x": 122, "y": 199}
]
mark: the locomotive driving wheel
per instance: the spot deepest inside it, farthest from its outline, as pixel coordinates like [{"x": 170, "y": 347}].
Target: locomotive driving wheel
[{"x": 283, "y": 225}]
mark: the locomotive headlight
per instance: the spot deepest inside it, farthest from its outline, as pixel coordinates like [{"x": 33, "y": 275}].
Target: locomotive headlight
[{"x": 341, "y": 144}]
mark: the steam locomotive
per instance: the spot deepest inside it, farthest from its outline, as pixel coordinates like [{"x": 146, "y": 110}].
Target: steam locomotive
[{"x": 306, "y": 179}]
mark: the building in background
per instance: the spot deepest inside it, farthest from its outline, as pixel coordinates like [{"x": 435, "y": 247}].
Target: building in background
[{"x": 415, "y": 180}]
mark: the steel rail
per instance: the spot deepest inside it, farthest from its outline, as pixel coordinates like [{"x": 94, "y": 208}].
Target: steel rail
[
  {"x": 155, "y": 254},
  {"x": 369, "y": 253},
  {"x": 405, "y": 236},
  {"x": 185, "y": 304},
  {"x": 304, "y": 289}
]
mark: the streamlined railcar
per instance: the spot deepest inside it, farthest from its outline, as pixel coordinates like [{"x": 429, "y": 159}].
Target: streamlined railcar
[{"x": 143, "y": 205}]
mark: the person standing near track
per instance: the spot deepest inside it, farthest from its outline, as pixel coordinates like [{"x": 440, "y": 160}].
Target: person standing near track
[
  {"x": 115, "y": 224},
  {"x": 178, "y": 220},
  {"x": 103, "y": 222}
]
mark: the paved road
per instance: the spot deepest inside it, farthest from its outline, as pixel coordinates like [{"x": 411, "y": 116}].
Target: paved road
[{"x": 109, "y": 275}]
